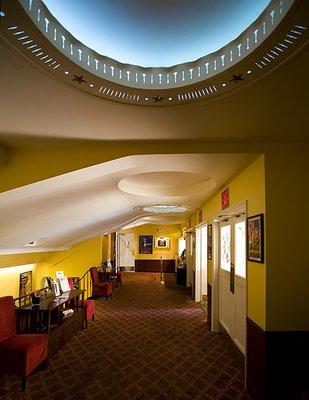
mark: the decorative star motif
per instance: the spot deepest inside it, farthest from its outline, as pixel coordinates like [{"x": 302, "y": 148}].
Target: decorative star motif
[
  {"x": 237, "y": 78},
  {"x": 158, "y": 99},
  {"x": 79, "y": 79}
]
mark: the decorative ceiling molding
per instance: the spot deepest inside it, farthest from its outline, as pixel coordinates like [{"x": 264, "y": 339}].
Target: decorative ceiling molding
[{"x": 278, "y": 34}]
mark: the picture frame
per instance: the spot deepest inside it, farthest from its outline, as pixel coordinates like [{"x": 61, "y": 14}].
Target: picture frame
[
  {"x": 145, "y": 244},
  {"x": 209, "y": 242},
  {"x": 255, "y": 238},
  {"x": 25, "y": 283},
  {"x": 225, "y": 198},
  {"x": 162, "y": 242}
]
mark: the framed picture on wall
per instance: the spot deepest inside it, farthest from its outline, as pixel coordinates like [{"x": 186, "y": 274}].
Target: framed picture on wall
[
  {"x": 145, "y": 244},
  {"x": 25, "y": 283},
  {"x": 225, "y": 198},
  {"x": 255, "y": 238},
  {"x": 209, "y": 242},
  {"x": 162, "y": 242}
]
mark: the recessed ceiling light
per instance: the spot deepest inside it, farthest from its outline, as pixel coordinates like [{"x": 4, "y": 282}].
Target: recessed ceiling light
[
  {"x": 66, "y": 72},
  {"x": 91, "y": 85},
  {"x": 170, "y": 98},
  {"x": 146, "y": 98},
  {"x": 223, "y": 84},
  {"x": 249, "y": 71},
  {"x": 2, "y": 13},
  {"x": 165, "y": 209},
  {"x": 32, "y": 243}
]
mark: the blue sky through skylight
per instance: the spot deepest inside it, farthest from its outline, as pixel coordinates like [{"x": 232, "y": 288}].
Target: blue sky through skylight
[{"x": 154, "y": 33}]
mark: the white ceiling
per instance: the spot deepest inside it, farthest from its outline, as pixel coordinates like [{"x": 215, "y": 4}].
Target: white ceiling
[{"x": 67, "y": 209}]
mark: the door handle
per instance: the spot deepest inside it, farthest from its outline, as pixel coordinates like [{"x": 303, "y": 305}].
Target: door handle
[{"x": 232, "y": 278}]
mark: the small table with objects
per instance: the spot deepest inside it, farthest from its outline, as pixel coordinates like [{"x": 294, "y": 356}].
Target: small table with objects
[{"x": 59, "y": 317}]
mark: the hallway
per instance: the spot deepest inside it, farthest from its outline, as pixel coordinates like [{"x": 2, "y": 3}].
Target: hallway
[{"x": 150, "y": 342}]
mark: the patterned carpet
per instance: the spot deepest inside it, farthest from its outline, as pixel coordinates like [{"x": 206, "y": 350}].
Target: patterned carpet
[{"x": 150, "y": 342}]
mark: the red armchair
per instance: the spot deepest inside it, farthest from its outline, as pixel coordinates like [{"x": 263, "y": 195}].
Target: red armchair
[
  {"x": 100, "y": 288},
  {"x": 19, "y": 354},
  {"x": 88, "y": 305}
]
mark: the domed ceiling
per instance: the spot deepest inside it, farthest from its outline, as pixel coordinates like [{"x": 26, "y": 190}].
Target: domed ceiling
[
  {"x": 112, "y": 49},
  {"x": 156, "y": 33}
]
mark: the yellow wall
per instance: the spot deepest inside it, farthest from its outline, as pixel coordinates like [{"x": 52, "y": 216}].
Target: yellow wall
[
  {"x": 287, "y": 194},
  {"x": 9, "y": 279},
  {"x": 248, "y": 186},
  {"x": 73, "y": 262},
  {"x": 171, "y": 231}
]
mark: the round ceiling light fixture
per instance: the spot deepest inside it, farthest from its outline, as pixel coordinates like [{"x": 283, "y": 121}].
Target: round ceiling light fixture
[{"x": 163, "y": 209}]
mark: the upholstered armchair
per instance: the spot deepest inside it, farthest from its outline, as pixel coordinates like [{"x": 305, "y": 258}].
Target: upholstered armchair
[
  {"x": 89, "y": 309},
  {"x": 19, "y": 354},
  {"x": 100, "y": 288}
]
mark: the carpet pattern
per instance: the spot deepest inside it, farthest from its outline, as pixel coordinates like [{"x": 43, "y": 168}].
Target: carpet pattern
[{"x": 149, "y": 342}]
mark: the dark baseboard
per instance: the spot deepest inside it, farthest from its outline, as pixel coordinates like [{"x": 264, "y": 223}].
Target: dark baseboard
[
  {"x": 256, "y": 360},
  {"x": 277, "y": 363},
  {"x": 155, "y": 265}
]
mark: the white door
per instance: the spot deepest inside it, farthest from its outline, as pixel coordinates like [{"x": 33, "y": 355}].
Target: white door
[
  {"x": 232, "y": 276},
  {"x": 126, "y": 251},
  {"x": 201, "y": 263}
]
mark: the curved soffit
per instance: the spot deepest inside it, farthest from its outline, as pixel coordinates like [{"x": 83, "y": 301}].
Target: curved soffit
[{"x": 272, "y": 39}]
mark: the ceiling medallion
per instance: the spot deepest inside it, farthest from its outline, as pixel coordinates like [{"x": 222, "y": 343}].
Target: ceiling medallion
[{"x": 265, "y": 45}]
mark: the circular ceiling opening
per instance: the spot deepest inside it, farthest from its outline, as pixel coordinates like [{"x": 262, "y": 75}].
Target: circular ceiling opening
[
  {"x": 165, "y": 209},
  {"x": 156, "y": 33}
]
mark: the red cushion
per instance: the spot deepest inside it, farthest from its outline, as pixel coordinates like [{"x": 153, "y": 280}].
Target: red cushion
[
  {"x": 22, "y": 353},
  {"x": 7, "y": 317}
]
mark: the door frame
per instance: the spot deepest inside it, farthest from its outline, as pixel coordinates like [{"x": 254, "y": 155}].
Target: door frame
[
  {"x": 189, "y": 263},
  {"x": 201, "y": 259}
]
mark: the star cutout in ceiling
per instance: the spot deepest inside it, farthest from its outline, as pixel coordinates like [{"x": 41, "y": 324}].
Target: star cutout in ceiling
[
  {"x": 158, "y": 99},
  {"x": 79, "y": 79},
  {"x": 237, "y": 78}
]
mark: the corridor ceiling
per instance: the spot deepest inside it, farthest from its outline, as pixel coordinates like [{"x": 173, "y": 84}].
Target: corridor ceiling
[
  {"x": 64, "y": 210},
  {"x": 38, "y": 112}
]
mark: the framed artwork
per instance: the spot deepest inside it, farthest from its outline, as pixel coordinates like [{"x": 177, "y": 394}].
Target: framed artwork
[
  {"x": 162, "y": 242},
  {"x": 145, "y": 244},
  {"x": 25, "y": 283},
  {"x": 225, "y": 198},
  {"x": 255, "y": 238},
  {"x": 209, "y": 242},
  {"x": 200, "y": 216}
]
